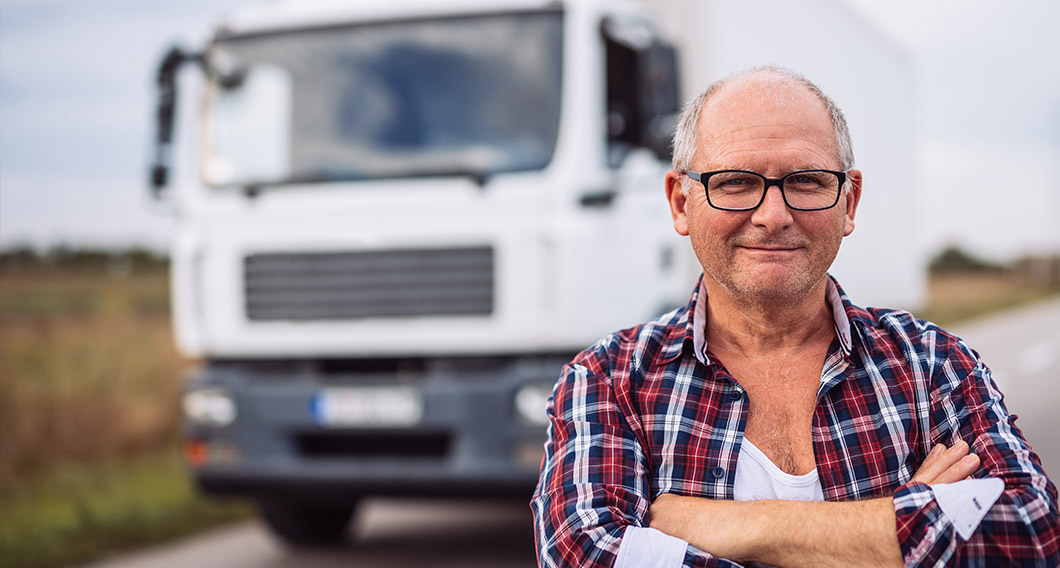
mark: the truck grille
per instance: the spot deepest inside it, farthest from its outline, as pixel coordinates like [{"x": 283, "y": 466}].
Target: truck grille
[{"x": 374, "y": 284}]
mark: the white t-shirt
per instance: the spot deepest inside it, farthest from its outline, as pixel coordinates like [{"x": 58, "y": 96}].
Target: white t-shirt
[{"x": 757, "y": 477}]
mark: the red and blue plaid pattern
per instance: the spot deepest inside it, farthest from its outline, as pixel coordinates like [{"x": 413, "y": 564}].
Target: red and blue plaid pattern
[{"x": 638, "y": 415}]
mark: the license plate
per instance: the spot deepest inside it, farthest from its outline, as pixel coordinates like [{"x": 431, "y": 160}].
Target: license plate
[{"x": 373, "y": 407}]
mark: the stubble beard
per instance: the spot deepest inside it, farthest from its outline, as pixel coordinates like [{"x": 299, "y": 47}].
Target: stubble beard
[{"x": 759, "y": 292}]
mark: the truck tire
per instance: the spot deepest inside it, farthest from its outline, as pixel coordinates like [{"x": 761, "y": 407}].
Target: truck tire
[{"x": 307, "y": 525}]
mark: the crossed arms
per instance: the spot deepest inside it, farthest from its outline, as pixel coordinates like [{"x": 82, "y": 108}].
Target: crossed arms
[
  {"x": 792, "y": 533},
  {"x": 598, "y": 481}
]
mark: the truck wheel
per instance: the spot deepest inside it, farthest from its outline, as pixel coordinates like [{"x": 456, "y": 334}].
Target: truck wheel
[{"x": 304, "y": 525}]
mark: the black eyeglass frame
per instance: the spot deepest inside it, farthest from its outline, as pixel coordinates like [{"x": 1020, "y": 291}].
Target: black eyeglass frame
[{"x": 703, "y": 177}]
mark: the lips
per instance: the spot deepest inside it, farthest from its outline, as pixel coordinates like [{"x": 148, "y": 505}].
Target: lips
[{"x": 770, "y": 247}]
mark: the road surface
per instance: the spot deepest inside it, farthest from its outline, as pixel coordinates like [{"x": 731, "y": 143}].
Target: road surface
[
  {"x": 389, "y": 533},
  {"x": 1022, "y": 347}
]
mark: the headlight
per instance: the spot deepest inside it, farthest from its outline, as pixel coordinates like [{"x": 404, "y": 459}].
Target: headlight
[
  {"x": 209, "y": 407},
  {"x": 531, "y": 402}
]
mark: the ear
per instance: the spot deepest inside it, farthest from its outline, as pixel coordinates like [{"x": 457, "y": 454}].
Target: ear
[
  {"x": 853, "y": 197},
  {"x": 678, "y": 201}
]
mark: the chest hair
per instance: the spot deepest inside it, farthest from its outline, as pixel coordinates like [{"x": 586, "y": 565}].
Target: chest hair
[{"x": 782, "y": 395}]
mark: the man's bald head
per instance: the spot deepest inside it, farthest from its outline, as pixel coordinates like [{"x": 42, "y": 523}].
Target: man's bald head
[{"x": 772, "y": 83}]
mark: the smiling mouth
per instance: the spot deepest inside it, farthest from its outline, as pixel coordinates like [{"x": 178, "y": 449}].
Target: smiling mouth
[{"x": 770, "y": 249}]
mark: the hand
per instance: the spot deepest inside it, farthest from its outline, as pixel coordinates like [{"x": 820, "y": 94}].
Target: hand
[
  {"x": 947, "y": 465},
  {"x": 672, "y": 514}
]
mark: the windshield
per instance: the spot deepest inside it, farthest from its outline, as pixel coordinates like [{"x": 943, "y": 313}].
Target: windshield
[{"x": 457, "y": 96}]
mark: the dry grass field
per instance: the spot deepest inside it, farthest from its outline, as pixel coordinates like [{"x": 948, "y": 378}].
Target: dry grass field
[
  {"x": 89, "y": 414},
  {"x": 87, "y": 369},
  {"x": 958, "y": 296}
]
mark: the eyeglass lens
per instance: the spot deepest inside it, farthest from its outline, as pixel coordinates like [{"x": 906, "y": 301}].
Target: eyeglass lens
[{"x": 743, "y": 190}]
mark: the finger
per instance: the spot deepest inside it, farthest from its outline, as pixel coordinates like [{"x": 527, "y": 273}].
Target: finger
[
  {"x": 938, "y": 462},
  {"x": 931, "y": 466},
  {"x": 963, "y": 468},
  {"x": 924, "y": 473}
]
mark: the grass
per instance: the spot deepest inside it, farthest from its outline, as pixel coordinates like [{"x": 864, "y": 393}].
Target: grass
[
  {"x": 77, "y": 512},
  {"x": 90, "y": 385},
  {"x": 959, "y": 297},
  {"x": 88, "y": 369}
]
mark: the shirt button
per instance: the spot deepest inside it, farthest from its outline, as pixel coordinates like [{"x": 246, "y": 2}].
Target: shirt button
[
  {"x": 718, "y": 473},
  {"x": 735, "y": 395}
]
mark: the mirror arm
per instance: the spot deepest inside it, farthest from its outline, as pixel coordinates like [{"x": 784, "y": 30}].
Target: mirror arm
[{"x": 166, "y": 80}]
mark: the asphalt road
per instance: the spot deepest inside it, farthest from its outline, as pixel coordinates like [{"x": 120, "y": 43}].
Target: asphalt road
[
  {"x": 389, "y": 533},
  {"x": 1022, "y": 347}
]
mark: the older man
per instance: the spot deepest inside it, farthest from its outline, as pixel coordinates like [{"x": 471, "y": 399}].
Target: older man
[{"x": 771, "y": 420}]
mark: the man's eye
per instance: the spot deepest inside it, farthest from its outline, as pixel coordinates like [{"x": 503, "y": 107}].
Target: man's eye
[{"x": 737, "y": 181}]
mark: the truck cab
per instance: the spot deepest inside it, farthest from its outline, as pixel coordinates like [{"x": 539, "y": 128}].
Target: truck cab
[{"x": 396, "y": 223}]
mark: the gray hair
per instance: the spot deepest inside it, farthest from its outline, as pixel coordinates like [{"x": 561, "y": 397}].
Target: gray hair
[{"x": 685, "y": 135}]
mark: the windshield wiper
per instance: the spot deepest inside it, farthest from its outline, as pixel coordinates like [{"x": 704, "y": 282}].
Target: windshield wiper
[{"x": 252, "y": 188}]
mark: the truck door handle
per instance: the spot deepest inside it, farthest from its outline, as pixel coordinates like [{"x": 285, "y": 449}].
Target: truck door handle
[{"x": 602, "y": 198}]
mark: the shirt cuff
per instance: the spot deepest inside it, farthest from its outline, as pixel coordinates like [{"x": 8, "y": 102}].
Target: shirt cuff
[
  {"x": 644, "y": 547},
  {"x": 966, "y": 502}
]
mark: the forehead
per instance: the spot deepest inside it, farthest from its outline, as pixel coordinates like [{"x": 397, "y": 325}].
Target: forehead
[{"x": 762, "y": 122}]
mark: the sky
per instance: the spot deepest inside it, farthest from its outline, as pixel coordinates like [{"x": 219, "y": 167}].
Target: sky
[
  {"x": 988, "y": 150},
  {"x": 77, "y": 98}
]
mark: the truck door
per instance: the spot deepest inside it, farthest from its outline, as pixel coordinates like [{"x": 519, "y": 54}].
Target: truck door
[{"x": 641, "y": 110}]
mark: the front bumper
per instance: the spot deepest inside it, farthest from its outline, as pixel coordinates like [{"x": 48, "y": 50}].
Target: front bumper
[{"x": 469, "y": 440}]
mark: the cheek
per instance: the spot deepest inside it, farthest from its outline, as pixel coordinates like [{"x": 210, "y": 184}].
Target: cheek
[{"x": 710, "y": 243}]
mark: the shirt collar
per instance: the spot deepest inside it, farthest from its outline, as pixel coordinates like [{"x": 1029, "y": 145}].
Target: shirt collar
[{"x": 698, "y": 323}]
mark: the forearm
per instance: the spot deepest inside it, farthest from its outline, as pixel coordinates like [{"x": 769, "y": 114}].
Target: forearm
[
  {"x": 853, "y": 533},
  {"x": 785, "y": 533}
]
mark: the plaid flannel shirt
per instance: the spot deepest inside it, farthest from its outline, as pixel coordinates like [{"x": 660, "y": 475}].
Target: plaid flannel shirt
[{"x": 640, "y": 414}]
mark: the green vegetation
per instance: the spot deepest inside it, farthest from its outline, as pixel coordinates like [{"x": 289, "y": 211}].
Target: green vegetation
[
  {"x": 83, "y": 260},
  {"x": 963, "y": 286},
  {"x": 949, "y": 310},
  {"x": 954, "y": 259},
  {"x": 76, "y": 512},
  {"x": 89, "y": 409},
  {"x": 88, "y": 369}
]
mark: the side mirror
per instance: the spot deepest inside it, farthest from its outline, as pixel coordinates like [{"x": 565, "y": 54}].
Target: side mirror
[
  {"x": 174, "y": 59},
  {"x": 167, "y": 98}
]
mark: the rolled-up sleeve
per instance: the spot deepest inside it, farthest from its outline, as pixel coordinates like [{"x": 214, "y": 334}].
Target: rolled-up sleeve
[
  {"x": 1020, "y": 527},
  {"x": 595, "y": 479}
]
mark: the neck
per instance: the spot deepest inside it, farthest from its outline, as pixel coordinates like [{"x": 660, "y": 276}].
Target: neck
[{"x": 755, "y": 329}]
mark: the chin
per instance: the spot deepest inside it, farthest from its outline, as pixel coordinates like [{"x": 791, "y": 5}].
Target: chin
[{"x": 775, "y": 286}]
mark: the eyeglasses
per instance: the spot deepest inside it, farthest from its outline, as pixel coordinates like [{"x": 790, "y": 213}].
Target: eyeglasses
[{"x": 739, "y": 190}]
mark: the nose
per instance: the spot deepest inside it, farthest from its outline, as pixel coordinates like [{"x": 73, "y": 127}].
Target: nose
[{"x": 772, "y": 214}]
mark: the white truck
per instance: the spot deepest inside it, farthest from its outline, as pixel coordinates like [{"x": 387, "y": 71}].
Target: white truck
[{"x": 396, "y": 222}]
